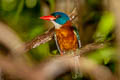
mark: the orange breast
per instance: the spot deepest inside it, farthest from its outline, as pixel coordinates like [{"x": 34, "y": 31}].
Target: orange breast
[{"x": 66, "y": 39}]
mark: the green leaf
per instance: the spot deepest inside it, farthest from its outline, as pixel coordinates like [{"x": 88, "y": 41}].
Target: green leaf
[
  {"x": 36, "y": 31},
  {"x": 19, "y": 10},
  {"x": 105, "y": 26},
  {"x": 31, "y": 3},
  {"x": 54, "y": 52},
  {"x": 52, "y": 4},
  {"x": 8, "y": 5},
  {"x": 102, "y": 55},
  {"x": 40, "y": 52}
]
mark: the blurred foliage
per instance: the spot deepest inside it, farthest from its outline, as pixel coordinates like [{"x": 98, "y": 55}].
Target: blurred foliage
[
  {"x": 8, "y": 5},
  {"x": 105, "y": 26},
  {"x": 31, "y": 3},
  {"x": 103, "y": 55},
  {"x": 52, "y": 4},
  {"x": 23, "y": 17}
]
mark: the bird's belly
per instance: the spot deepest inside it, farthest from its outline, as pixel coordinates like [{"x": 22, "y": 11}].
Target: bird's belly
[
  {"x": 68, "y": 42},
  {"x": 68, "y": 45}
]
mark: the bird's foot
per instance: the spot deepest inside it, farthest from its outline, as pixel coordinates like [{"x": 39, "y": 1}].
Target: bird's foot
[{"x": 61, "y": 53}]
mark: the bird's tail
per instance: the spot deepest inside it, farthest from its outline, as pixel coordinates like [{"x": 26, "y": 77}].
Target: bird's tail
[{"x": 76, "y": 73}]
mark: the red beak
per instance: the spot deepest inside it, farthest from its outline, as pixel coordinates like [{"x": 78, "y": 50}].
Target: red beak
[{"x": 48, "y": 17}]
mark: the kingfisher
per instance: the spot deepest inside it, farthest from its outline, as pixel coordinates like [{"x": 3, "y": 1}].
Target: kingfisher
[{"x": 66, "y": 35}]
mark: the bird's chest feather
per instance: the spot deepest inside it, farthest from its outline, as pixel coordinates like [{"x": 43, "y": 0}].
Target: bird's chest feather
[{"x": 66, "y": 39}]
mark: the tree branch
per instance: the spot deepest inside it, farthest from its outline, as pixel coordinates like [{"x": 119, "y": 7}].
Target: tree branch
[
  {"x": 10, "y": 40},
  {"x": 60, "y": 65},
  {"x": 41, "y": 39},
  {"x": 91, "y": 47},
  {"x": 47, "y": 36},
  {"x": 54, "y": 67}
]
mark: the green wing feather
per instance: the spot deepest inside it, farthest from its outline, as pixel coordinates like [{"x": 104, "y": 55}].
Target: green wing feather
[
  {"x": 57, "y": 43},
  {"x": 78, "y": 37}
]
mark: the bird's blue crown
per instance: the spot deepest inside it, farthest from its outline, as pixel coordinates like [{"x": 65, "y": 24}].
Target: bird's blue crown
[{"x": 61, "y": 18}]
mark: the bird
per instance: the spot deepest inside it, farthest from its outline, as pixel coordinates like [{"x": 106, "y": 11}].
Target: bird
[{"x": 66, "y": 35}]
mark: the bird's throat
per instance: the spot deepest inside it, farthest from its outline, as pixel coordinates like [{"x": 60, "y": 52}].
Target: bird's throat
[{"x": 57, "y": 26}]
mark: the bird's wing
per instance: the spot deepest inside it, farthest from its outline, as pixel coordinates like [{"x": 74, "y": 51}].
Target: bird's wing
[
  {"x": 57, "y": 43},
  {"x": 78, "y": 37}
]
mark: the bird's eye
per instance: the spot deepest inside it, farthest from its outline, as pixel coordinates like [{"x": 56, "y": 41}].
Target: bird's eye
[{"x": 57, "y": 16}]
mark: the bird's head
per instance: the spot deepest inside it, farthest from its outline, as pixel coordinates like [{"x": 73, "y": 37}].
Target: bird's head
[{"x": 57, "y": 18}]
